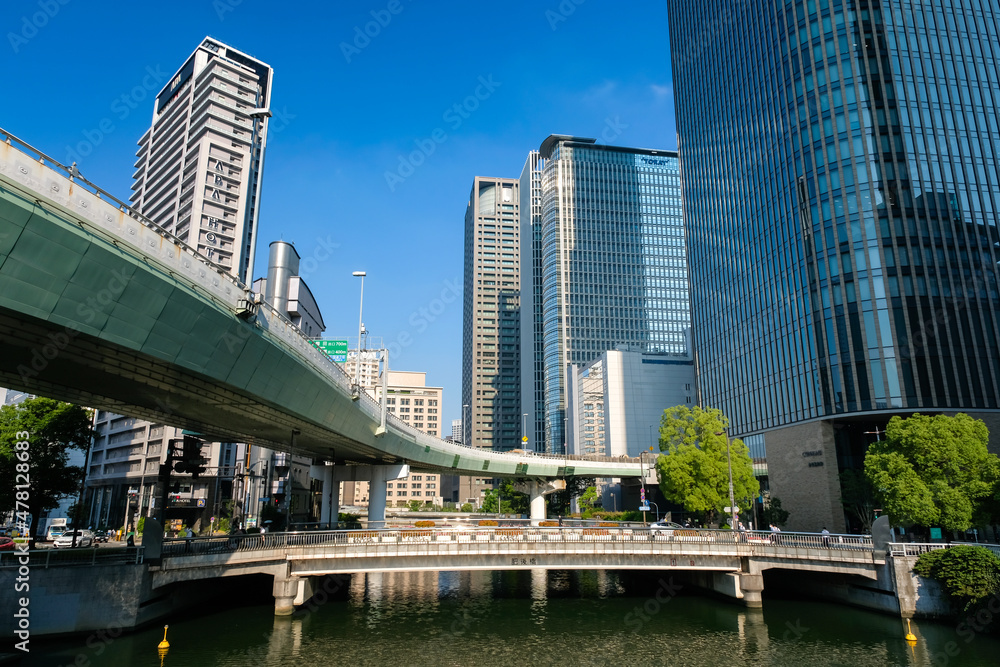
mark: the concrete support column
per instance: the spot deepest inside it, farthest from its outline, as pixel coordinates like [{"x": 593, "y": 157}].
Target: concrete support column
[
  {"x": 537, "y": 491},
  {"x": 329, "y": 510},
  {"x": 334, "y": 501},
  {"x": 752, "y": 586},
  {"x": 537, "y": 508},
  {"x": 326, "y": 477},
  {"x": 285, "y": 590},
  {"x": 376, "y": 491},
  {"x": 376, "y": 500}
]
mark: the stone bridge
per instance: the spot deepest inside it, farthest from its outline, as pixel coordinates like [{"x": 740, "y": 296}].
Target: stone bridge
[{"x": 718, "y": 559}]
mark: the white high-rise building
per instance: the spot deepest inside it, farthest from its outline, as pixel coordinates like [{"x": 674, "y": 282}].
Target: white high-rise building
[
  {"x": 197, "y": 175},
  {"x": 199, "y": 164}
]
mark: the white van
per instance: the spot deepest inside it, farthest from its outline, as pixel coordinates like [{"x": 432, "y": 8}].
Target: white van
[{"x": 56, "y": 528}]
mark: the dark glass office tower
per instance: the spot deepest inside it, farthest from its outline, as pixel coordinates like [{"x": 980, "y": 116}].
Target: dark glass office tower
[{"x": 841, "y": 188}]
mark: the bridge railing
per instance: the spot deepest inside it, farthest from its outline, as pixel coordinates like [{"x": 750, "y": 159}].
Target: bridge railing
[
  {"x": 46, "y": 558},
  {"x": 914, "y": 548},
  {"x": 744, "y": 543},
  {"x": 918, "y": 548}
]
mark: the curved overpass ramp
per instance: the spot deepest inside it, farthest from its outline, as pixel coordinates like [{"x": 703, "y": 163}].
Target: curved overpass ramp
[{"x": 101, "y": 307}]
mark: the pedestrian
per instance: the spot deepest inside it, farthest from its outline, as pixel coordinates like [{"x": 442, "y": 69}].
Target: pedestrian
[
  {"x": 826, "y": 536},
  {"x": 775, "y": 534}
]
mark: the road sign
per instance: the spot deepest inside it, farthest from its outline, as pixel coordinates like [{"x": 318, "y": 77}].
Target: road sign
[
  {"x": 201, "y": 502},
  {"x": 336, "y": 349},
  {"x": 730, "y": 509},
  {"x": 524, "y": 438},
  {"x": 643, "y": 508}
]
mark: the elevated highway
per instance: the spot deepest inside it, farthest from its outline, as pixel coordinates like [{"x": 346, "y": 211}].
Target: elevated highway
[{"x": 101, "y": 307}]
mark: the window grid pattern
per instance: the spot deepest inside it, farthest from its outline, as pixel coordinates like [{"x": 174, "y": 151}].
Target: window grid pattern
[
  {"x": 613, "y": 261},
  {"x": 842, "y": 220}
]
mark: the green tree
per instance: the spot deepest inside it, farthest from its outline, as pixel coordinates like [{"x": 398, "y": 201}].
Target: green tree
[
  {"x": 694, "y": 472},
  {"x": 467, "y": 507},
  {"x": 858, "y": 498},
  {"x": 969, "y": 574},
  {"x": 512, "y": 501},
  {"x": 414, "y": 505},
  {"x": 52, "y": 430},
  {"x": 559, "y": 502},
  {"x": 587, "y": 502},
  {"x": 934, "y": 471},
  {"x": 773, "y": 513}
]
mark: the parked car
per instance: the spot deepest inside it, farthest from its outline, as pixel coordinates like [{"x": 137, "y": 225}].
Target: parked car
[
  {"x": 101, "y": 536},
  {"x": 84, "y": 538},
  {"x": 6, "y": 544},
  {"x": 665, "y": 528}
]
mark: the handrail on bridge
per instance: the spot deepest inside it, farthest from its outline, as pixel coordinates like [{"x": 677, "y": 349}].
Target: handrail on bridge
[{"x": 744, "y": 541}]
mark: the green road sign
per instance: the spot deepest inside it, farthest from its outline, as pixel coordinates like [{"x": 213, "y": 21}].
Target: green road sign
[{"x": 334, "y": 348}]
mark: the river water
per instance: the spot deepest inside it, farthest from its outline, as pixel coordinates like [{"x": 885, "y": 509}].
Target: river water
[{"x": 525, "y": 618}]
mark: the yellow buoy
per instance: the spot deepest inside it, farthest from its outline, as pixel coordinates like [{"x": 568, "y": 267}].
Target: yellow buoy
[
  {"x": 910, "y": 637},
  {"x": 164, "y": 644}
]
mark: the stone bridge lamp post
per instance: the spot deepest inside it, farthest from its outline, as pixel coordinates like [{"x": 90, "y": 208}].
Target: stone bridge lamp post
[{"x": 729, "y": 462}]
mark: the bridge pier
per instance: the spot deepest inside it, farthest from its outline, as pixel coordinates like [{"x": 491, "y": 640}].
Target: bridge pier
[
  {"x": 329, "y": 512},
  {"x": 752, "y": 586},
  {"x": 285, "y": 590},
  {"x": 537, "y": 491}
]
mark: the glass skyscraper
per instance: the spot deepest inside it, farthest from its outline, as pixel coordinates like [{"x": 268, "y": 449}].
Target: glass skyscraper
[
  {"x": 841, "y": 189},
  {"x": 609, "y": 263}
]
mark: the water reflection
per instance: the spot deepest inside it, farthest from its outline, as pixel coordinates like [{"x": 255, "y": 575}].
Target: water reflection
[{"x": 532, "y": 617}]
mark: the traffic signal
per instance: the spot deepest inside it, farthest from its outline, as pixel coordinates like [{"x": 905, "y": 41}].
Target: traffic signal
[{"x": 190, "y": 457}]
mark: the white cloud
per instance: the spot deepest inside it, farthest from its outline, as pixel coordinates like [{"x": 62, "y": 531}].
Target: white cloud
[{"x": 661, "y": 92}]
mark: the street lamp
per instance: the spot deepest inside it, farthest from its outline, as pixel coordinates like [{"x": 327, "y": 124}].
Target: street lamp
[
  {"x": 729, "y": 461},
  {"x": 357, "y": 372}
]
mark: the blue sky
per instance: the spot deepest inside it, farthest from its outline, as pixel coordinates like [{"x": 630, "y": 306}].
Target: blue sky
[{"x": 79, "y": 78}]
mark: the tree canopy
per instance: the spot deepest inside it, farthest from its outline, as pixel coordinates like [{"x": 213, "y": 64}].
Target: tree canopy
[
  {"x": 53, "y": 429},
  {"x": 694, "y": 472},
  {"x": 934, "y": 471},
  {"x": 969, "y": 574},
  {"x": 511, "y": 501}
]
